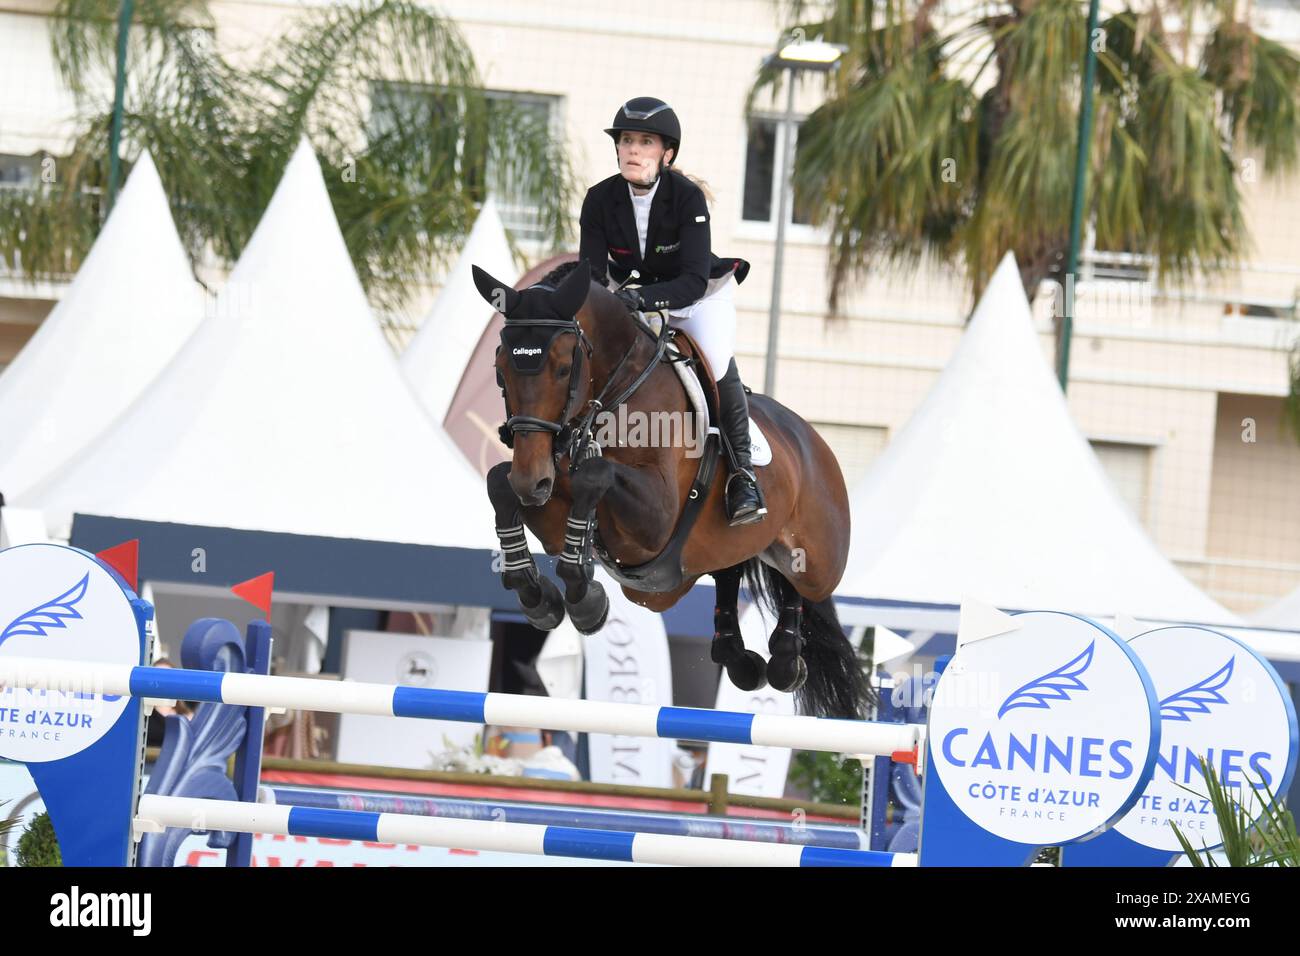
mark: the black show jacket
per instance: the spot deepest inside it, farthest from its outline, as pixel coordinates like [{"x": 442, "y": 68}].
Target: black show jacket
[{"x": 678, "y": 263}]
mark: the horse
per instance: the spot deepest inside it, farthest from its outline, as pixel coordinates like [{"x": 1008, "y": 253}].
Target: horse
[{"x": 653, "y": 513}]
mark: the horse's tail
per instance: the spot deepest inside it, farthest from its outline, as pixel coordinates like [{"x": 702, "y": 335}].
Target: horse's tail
[{"x": 836, "y": 685}]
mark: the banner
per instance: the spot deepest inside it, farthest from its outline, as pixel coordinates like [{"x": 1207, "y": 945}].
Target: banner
[
  {"x": 757, "y": 771},
  {"x": 628, "y": 663},
  {"x": 415, "y": 661}
]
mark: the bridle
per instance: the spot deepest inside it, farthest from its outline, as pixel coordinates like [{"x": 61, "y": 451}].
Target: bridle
[
  {"x": 572, "y": 433},
  {"x": 531, "y": 423}
]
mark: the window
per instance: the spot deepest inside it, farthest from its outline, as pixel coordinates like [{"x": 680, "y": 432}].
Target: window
[
  {"x": 766, "y": 140},
  {"x": 855, "y": 447},
  {"x": 19, "y": 171},
  {"x": 395, "y": 106},
  {"x": 543, "y": 113},
  {"x": 1129, "y": 468}
]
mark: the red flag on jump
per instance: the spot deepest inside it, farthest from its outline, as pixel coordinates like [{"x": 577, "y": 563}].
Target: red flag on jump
[
  {"x": 124, "y": 558},
  {"x": 257, "y": 591}
]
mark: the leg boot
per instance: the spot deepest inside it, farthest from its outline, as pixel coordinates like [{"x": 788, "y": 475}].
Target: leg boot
[{"x": 744, "y": 499}]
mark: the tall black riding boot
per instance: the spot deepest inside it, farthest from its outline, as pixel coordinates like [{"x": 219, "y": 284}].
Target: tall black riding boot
[{"x": 744, "y": 499}]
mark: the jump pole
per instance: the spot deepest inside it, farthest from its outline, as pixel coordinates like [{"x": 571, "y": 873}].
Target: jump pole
[
  {"x": 844, "y": 838},
  {"x": 854, "y": 737},
  {"x": 156, "y": 813}
]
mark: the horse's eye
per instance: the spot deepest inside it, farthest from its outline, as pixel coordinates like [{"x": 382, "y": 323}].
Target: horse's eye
[{"x": 563, "y": 371}]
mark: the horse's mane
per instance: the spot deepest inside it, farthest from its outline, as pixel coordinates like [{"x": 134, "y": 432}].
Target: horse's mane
[{"x": 554, "y": 277}]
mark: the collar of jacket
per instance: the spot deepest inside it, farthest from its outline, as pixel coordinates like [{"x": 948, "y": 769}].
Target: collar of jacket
[{"x": 627, "y": 217}]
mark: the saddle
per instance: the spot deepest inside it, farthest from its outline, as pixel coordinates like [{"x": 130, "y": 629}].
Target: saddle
[{"x": 664, "y": 572}]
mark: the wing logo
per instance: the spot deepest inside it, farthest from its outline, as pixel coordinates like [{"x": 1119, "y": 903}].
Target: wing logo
[
  {"x": 1196, "y": 700},
  {"x": 52, "y": 615},
  {"x": 1055, "y": 685}
]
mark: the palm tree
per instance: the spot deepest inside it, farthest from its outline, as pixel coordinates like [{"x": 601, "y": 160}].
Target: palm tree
[
  {"x": 957, "y": 140},
  {"x": 387, "y": 92}
]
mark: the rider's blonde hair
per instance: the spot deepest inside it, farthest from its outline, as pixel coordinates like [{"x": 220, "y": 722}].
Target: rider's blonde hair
[{"x": 704, "y": 186}]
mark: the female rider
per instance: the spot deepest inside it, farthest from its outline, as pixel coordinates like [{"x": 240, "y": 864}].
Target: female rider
[{"x": 651, "y": 218}]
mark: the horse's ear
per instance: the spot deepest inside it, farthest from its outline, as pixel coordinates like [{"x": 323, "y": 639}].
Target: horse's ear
[
  {"x": 497, "y": 294},
  {"x": 568, "y": 298}
]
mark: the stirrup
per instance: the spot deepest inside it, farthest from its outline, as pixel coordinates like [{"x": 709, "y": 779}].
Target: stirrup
[{"x": 749, "y": 517}]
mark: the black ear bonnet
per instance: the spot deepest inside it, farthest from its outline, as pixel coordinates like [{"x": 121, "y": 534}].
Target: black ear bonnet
[
  {"x": 534, "y": 316},
  {"x": 527, "y": 346}
]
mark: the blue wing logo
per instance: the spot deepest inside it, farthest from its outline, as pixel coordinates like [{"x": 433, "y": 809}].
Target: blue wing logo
[
  {"x": 1056, "y": 685},
  {"x": 49, "y": 616},
  {"x": 1181, "y": 705}
]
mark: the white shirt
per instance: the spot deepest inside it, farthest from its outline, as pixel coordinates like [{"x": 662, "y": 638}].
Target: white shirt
[{"x": 641, "y": 209}]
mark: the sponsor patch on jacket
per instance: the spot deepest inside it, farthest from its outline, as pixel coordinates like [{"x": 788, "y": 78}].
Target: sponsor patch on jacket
[
  {"x": 672, "y": 248},
  {"x": 701, "y": 218}
]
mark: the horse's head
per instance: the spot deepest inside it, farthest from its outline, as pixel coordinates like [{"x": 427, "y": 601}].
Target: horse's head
[{"x": 543, "y": 367}]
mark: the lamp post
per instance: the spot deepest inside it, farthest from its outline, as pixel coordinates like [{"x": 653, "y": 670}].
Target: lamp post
[
  {"x": 819, "y": 56},
  {"x": 1076, "y": 205},
  {"x": 119, "y": 95}
]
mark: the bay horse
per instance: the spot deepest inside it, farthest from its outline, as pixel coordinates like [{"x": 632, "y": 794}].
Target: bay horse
[{"x": 652, "y": 513}]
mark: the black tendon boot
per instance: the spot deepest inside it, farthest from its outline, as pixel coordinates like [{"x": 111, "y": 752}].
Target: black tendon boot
[{"x": 744, "y": 500}]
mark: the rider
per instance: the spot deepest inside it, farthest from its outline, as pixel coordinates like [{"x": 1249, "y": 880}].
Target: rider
[{"x": 651, "y": 218}]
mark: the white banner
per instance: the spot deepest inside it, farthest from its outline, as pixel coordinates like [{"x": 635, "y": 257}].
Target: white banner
[
  {"x": 628, "y": 662},
  {"x": 416, "y": 661},
  {"x": 753, "y": 770}
]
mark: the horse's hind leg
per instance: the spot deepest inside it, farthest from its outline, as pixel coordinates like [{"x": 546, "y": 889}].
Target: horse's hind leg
[
  {"x": 539, "y": 598},
  {"x": 745, "y": 668},
  {"x": 586, "y": 599},
  {"x": 786, "y": 670}
]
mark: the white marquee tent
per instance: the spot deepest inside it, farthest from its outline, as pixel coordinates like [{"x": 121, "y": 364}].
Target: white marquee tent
[
  {"x": 286, "y": 411},
  {"x": 1285, "y": 612},
  {"x": 991, "y": 491},
  {"x": 435, "y": 360},
  {"x": 129, "y": 309}
]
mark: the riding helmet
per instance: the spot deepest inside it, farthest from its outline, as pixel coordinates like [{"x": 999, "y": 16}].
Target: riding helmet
[{"x": 645, "y": 114}]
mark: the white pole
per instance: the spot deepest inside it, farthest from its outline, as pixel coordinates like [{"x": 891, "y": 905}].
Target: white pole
[
  {"x": 354, "y": 697},
  {"x": 187, "y": 813}
]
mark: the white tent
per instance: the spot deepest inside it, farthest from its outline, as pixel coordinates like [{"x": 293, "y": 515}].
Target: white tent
[
  {"x": 991, "y": 491},
  {"x": 436, "y": 358},
  {"x": 1285, "y": 612},
  {"x": 131, "y": 306},
  {"x": 286, "y": 411}
]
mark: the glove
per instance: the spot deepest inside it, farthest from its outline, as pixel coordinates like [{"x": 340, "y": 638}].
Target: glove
[{"x": 630, "y": 298}]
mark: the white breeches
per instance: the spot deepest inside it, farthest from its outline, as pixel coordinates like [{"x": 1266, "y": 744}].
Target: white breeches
[{"x": 711, "y": 322}]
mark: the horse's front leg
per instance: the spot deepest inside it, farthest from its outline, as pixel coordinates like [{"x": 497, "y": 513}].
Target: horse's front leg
[
  {"x": 539, "y": 598},
  {"x": 586, "y": 599}
]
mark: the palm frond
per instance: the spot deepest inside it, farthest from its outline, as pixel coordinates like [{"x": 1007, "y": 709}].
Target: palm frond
[
  {"x": 83, "y": 35},
  {"x": 1192, "y": 202},
  {"x": 1262, "y": 833},
  {"x": 1260, "y": 83},
  {"x": 405, "y": 186}
]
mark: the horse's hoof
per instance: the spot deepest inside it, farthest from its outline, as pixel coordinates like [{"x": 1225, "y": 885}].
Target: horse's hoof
[
  {"x": 726, "y": 647},
  {"x": 787, "y": 674},
  {"x": 589, "y": 614},
  {"x": 748, "y": 672},
  {"x": 548, "y": 613}
]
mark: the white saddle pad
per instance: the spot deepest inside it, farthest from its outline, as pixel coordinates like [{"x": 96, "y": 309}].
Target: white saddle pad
[{"x": 760, "y": 452}]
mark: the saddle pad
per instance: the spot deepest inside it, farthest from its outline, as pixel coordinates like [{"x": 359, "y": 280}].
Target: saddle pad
[{"x": 760, "y": 452}]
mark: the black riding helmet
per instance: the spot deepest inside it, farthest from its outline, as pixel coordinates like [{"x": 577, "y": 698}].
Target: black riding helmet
[{"x": 646, "y": 114}]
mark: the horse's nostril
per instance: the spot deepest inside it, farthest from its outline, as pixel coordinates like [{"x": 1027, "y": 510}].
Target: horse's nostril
[{"x": 542, "y": 488}]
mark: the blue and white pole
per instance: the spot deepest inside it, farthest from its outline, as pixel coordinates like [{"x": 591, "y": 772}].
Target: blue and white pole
[
  {"x": 719, "y": 828},
  {"x": 156, "y": 813},
  {"x": 578, "y": 716}
]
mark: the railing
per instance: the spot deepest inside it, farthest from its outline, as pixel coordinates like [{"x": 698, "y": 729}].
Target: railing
[{"x": 716, "y": 801}]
